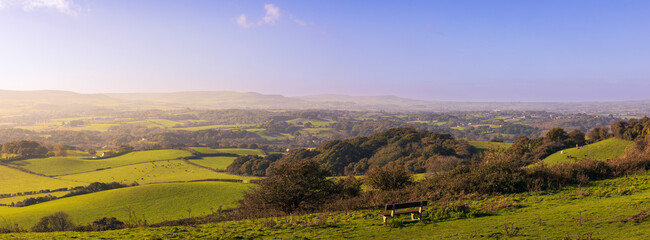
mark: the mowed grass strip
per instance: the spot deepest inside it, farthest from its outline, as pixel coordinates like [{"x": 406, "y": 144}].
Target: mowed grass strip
[
  {"x": 603, "y": 150},
  {"x": 15, "y": 181},
  {"x": 151, "y": 172},
  {"x": 220, "y": 163},
  {"x": 56, "y": 166},
  {"x": 238, "y": 151},
  {"x": 156, "y": 202}
]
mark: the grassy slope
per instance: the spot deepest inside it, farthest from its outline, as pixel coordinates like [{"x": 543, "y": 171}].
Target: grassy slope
[
  {"x": 598, "y": 213},
  {"x": 15, "y": 199},
  {"x": 214, "y": 162},
  {"x": 157, "y": 202},
  {"x": 14, "y": 181},
  {"x": 486, "y": 145},
  {"x": 603, "y": 150},
  {"x": 55, "y": 166},
  {"x": 151, "y": 172},
  {"x": 238, "y": 151}
]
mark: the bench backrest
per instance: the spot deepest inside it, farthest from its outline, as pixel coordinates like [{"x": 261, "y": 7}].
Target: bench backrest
[{"x": 405, "y": 205}]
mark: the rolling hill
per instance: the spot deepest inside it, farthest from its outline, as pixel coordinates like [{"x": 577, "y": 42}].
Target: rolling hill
[{"x": 603, "y": 150}]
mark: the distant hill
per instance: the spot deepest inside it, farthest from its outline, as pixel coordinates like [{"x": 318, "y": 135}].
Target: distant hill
[{"x": 43, "y": 101}]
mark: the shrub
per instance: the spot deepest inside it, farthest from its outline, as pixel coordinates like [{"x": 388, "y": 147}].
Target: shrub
[
  {"x": 103, "y": 224},
  {"x": 388, "y": 178},
  {"x": 58, "y": 221},
  {"x": 292, "y": 187}
]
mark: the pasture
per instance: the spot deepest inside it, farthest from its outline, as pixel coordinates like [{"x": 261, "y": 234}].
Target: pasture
[
  {"x": 608, "y": 209},
  {"x": 214, "y": 162},
  {"x": 238, "y": 151},
  {"x": 487, "y": 145},
  {"x": 154, "y": 203},
  {"x": 151, "y": 172},
  {"x": 15, "y": 181},
  {"x": 603, "y": 150},
  {"x": 55, "y": 166}
]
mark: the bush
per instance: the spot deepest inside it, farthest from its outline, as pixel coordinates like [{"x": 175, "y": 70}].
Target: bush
[
  {"x": 298, "y": 186},
  {"x": 58, "y": 221},
  {"x": 103, "y": 224},
  {"x": 388, "y": 178}
]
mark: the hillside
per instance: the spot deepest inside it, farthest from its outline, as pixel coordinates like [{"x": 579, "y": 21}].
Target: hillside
[
  {"x": 54, "y": 166},
  {"x": 603, "y": 150},
  {"x": 156, "y": 202},
  {"x": 15, "y": 181},
  {"x": 609, "y": 209}
]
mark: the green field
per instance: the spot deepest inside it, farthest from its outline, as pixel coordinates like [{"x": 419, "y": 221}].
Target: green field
[
  {"x": 157, "y": 202},
  {"x": 152, "y": 172},
  {"x": 15, "y": 199},
  {"x": 238, "y": 151},
  {"x": 214, "y": 162},
  {"x": 603, "y": 150},
  {"x": 599, "y": 210},
  {"x": 55, "y": 166},
  {"x": 14, "y": 181},
  {"x": 487, "y": 145},
  {"x": 238, "y": 126}
]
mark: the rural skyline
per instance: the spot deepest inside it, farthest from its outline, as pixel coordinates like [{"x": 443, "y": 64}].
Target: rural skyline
[{"x": 547, "y": 51}]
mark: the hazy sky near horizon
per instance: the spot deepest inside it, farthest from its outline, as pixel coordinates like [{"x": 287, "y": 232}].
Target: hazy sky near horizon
[{"x": 435, "y": 50}]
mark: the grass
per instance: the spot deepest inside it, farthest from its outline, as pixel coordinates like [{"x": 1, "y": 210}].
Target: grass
[
  {"x": 238, "y": 151},
  {"x": 487, "y": 145},
  {"x": 599, "y": 210},
  {"x": 603, "y": 150},
  {"x": 55, "y": 166},
  {"x": 156, "y": 202},
  {"x": 15, "y": 199},
  {"x": 14, "y": 181},
  {"x": 214, "y": 162},
  {"x": 151, "y": 172},
  {"x": 238, "y": 126}
]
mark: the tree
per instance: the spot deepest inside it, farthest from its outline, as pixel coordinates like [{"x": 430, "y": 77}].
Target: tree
[
  {"x": 388, "y": 178},
  {"x": 60, "y": 150},
  {"x": 58, "y": 221},
  {"x": 292, "y": 187},
  {"x": 556, "y": 135}
]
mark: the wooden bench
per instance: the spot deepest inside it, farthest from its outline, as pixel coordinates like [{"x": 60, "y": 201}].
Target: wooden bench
[{"x": 393, "y": 207}]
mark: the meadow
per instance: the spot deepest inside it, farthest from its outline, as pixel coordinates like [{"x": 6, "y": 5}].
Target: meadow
[
  {"x": 602, "y": 151},
  {"x": 607, "y": 209},
  {"x": 15, "y": 181},
  {"x": 219, "y": 163},
  {"x": 153, "y": 202},
  {"x": 151, "y": 172},
  {"x": 55, "y": 166}
]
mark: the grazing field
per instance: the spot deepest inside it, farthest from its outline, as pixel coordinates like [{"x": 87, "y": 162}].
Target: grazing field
[
  {"x": 238, "y": 151},
  {"x": 15, "y": 181},
  {"x": 603, "y": 150},
  {"x": 216, "y": 127},
  {"x": 156, "y": 202},
  {"x": 609, "y": 209},
  {"x": 55, "y": 166},
  {"x": 151, "y": 172},
  {"x": 15, "y": 199},
  {"x": 214, "y": 162},
  {"x": 487, "y": 145}
]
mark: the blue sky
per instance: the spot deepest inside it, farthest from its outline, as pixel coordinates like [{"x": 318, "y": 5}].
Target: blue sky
[{"x": 433, "y": 50}]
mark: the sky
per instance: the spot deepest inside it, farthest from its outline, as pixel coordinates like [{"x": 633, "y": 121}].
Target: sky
[{"x": 524, "y": 51}]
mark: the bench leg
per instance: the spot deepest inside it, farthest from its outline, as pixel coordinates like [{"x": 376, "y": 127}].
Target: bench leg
[
  {"x": 413, "y": 216},
  {"x": 384, "y": 219}
]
